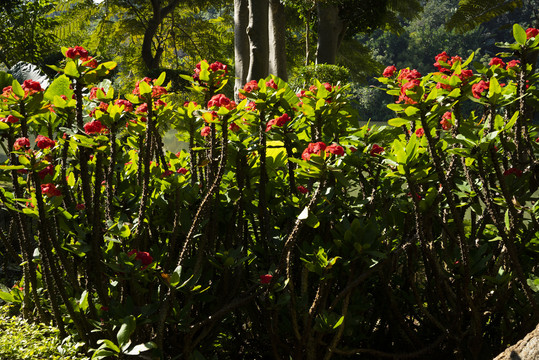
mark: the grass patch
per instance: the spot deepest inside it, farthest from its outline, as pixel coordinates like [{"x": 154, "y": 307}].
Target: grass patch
[{"x": 22, "y": 340}]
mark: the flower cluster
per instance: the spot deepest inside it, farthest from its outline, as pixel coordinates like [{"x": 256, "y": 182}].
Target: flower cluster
[
  {"x": 50, "y": 190},
  {"x": 44, "y": 142},
  {"x": 21, "y": 143},
  {"x": 95, "y": 127},
  {"x": 280, "y": 121},
  {"x": 220, "y": 100},
  {"x": 320, "y": 148},
  {"x": 78, "y": 52},
  {"x": 144, "y": 257},
  {"x": 409, "y": 80},
  {"x": 479, "y": 88},
  {"x": 10, "y": 119}
]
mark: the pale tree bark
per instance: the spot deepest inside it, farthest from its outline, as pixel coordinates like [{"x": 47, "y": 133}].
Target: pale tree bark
[
  {"x": 277, "y": 42},
  {"x": 241, "y": 43},
  {"x": 257, "y": 32},
  {"x": 150, "y": 59},
  {"x": 331, "y": 29}
]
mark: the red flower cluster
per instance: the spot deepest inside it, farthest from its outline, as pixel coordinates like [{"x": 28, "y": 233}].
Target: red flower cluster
[
  {"x": 49, "y": 170},
  {"x": 128, "y": 107},
  {"x": 10, "y": 119},
  {"x": 144, "y": 257},
  {"x": 206, "y": 130},
  {"x": 249, "y": 87},
  {"x": 215, "y": 67},
  {"x": 234, "y": 127},
  {"x": 313, "y": 148},
  {"x": 444, "y": 63},
  {"x": 513, "y": 171},
  {"x": 303, "y": 189},
  {"x": 50, "y": 190},
  {"x": 266, "y": 279},
  {"x": 271, "y": 84},
  {"x": 80, "y": 52},
  {"x": 142, "y": 109},
  {"x": 280, "y": 121},
  {"x": 479, "y": 88},
  {"x": 335, "y": 149},
  {"x": 77, "y": 52},
  {"x": 31, "y": 87},
  {"x": 94, "y": 127},
  {"x": 44, "y": 142},
  {"x": 389, "y": 71},
  {"x": 409, "y": 80},
  {"x": 531, "y": 32},
  {"x": 512, "y": 64},
  {"x": 420, "y": 132},
  {"x": 376, "y": 149},
  {"x": 220, "y": 100},
  {"x": 21, "y": 143},
  {"x": 496, "y": 61},
  {"x": 446, "y": 121},
  {"x": 182, "y": 171},
  {"x": 93, "y": 93}
]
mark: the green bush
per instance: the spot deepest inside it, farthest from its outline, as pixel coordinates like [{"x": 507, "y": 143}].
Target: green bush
[{"x": 20, "y": 340}]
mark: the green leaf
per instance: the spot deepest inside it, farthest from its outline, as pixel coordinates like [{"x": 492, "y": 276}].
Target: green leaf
[
  {"x": 511, "y": 121},
  {"x": 102, "y": 354},
  {"x": 71, "y": 69},
  {"x": 398, "y": 122},
  {"x": 176, "y": 276},
  {"x": 519, "y": 34},
  {"x": 136, "y": 350},
  {"x": 83, "y": 302},
  {"x": 411, "y": 110},
  {"x": 304, "y": 214},
  {"x": 17, "y": 88},
  {"x": 127, "y": 328},
  {"x": 339, "y": 322},
  {"x": 4, "y": 126},
  {"x": 144, "y": 88},
  {"x": 507, "y": 222},
  {"x": 7, "y": 297},
  {"x": 160, "y": 80},
  {"x": 60, "y": 86}
]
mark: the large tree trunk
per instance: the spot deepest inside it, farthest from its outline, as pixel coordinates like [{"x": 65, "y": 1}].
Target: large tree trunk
[
  {"x": 241, "y": 43},
  {"x": 258, "y": 39},
  {"x": 159, "y": 13},
  {"x": 330, "y": 33},
  {"x": 525, "y": 349},
  {"x": 277, "y": 42}
]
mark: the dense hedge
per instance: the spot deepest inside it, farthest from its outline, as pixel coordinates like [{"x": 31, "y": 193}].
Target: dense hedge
[{"x": 286, "y": 230}]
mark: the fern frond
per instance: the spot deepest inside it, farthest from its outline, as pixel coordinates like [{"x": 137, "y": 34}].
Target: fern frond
[{"x": 472, "y": 13}]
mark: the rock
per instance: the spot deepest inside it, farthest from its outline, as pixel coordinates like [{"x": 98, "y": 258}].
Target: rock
[{"x": 525, "y": 349}]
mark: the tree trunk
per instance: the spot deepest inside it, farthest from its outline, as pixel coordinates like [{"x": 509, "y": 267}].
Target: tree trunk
[
  {"x": 159, "y": 13},
  {"x": 525, "y": 349},
  {"x": 241, "y": 43},
  {"x": 277, "y": 42},
  {"x": 330, "y": 31},
  {"x": 258, "y": 40}
]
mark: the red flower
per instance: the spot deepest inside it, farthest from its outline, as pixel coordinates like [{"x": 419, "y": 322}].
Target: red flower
[
  {"x": 44, "y": 142},
  {"x": 266, "y": 279},
  {"x": 303, "y": 189},
  {"x": 271, "y": 84},
  {"x": 249, "y": 87},
  {"x": 465, "y": 75},
  {"x": 158, "y": 91},
  {"x": 512, "y": 64},
  {"x": 443, "y": 58},
  {"x": 10, "y": 119},
  {"x": 94, "y": 127},
  {"x": 21, "y": 143},
  {"x": 280, "y": 121},
  {"x": 142, "y": 109},
  {"x": 376, "y": 149},
  {"x": 50, "y": 190},
  {"x": 93, "y": 92},
  {"x": 420, "y": 132},
  {"x": 327, "y": 86},
  {"x": 216, "y": 66},
  {"x": 313, "y": 148},
  {"x": 167, "y": 173},
  {"x": 496, "y": 61},
  {"x": 80, "y": 207},
  {"x": 220, "y": 100},
  {"x": 31, "y": 86},
  {"x": 479, "y": 88},
  {"x": 531, "y": 32},
  {"x": 206, "y": 130},
  {"x": 513, "y": 171},
  {"x": 335, "y": 149},
  {"x": 407, "y": 74},
  {"x": 159, "y": 102},
  {"x": 389, "y": 71},
  {"x": 182, "y": 171},
  {"x": 49, "y": 170},
  {"x": 446, "y": 121},
  {"x": 234, "y": 127},
  {"x": 77, "y": 51},
  {"x": 128, "y": 107},
  {"x": 144, "y": 257}
]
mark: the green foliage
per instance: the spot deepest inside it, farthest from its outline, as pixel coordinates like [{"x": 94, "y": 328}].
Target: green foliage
[
  {"x": 20, "y": 340},
  {"x": 332, "y": 74},
  {"x": 472, "y": 13}
]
